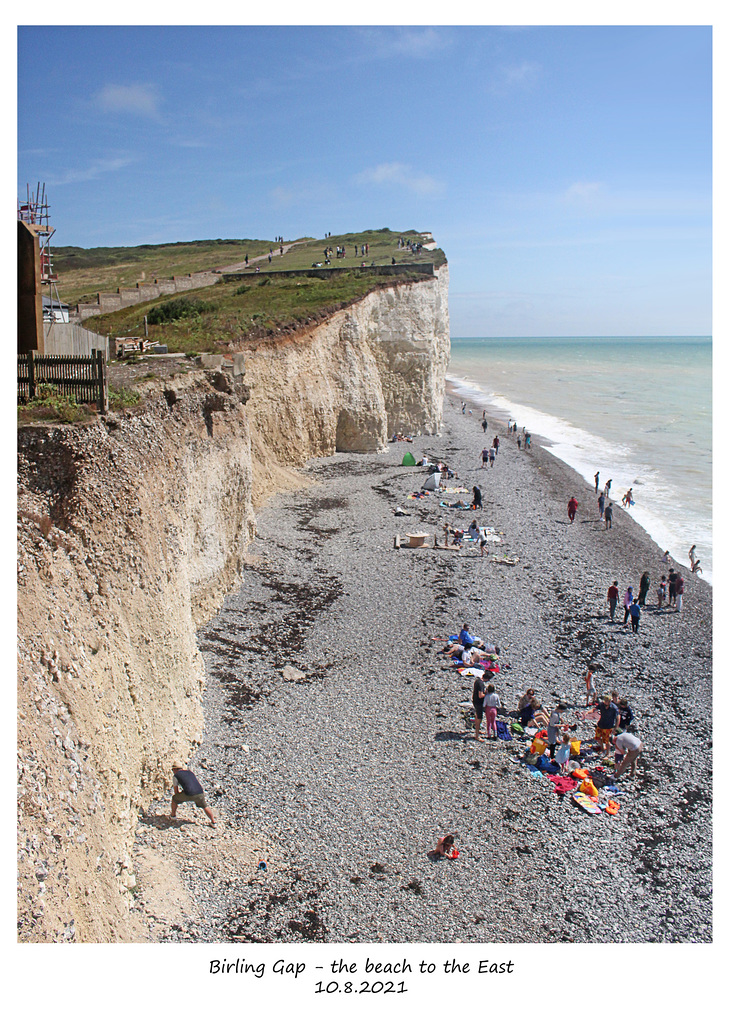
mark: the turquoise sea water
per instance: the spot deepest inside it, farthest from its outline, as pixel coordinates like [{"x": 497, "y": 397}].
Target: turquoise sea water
[{"x": 639, "y": 410}]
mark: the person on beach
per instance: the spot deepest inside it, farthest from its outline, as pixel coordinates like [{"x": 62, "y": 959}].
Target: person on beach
[
  {"x": 477, "y": 698},
  {"x": 572, "y": 509},
  {"x": 477, "y": 501},
  {"x": 463, "y": 404},
  {"x": 484, "y": 422},
  {"x": 495, "y": 444},
  {"x": 519, "y": 443},
  {"x": 612, "y": 598},
  {"x": 607, "y": 488},
  {"x": 635, "y": 612},
  {"x": 608, "y": 516},
  {"x": 691, "y": 554},
  {"x": 665, "y": 558},
  {"x": 625, "y": 715},
  {"x": 679, "y": 591},
  {"x": 555, "y": 724},
  {"x": 601, "y": 504},
  {"x": 596, "y": 479},
  {"x": 562, "y": 754},
  {"x": 491, "y": 703},
  {"x": 186, "y": 788},
  {"x": 528, "y": 441},
  {"x": 492, "y": 457},
  {"x": 590, "y": 688},
  {"x": 628, "y": 599},
  {"x": 628, "y": 498},
  {"x": 672, "y": 580},
  {"x": 485, "y": 457},
  {"x": 643, "y": 588},
  {"x": 696, "y": 566},
  {"x": 605, "y": 724},
  {"x": 661, "y": 592},
  {"x": 630, "y": 746}
]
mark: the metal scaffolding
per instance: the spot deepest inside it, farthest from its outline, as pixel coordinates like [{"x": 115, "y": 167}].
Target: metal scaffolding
[{"x": 35, "y": 212}]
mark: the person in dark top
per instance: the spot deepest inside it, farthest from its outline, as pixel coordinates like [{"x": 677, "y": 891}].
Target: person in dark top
[
  {"x": 477, "y": 503},
  {"x": 477, "y": 699},
  {"x": 608, "y": 516},
  {"x": 643, "y": 588},
  {"x": 672, "y": 580},
  {"x": 625, "y": 714},
  {"x": 572, "y": 509},
  {"x": 187, "y": 788},
  {"x": 635, "y": 612},
  {"x": 606, "y": 722},
  {"x": 596, "y": 479},
  {"x": 612, "y": 598}
]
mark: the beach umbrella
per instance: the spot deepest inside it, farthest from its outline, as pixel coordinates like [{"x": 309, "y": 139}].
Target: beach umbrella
[{"x": 432, "y": 484}]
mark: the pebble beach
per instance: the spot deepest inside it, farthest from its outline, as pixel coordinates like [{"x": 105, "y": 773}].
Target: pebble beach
[{"x": 336, "y": 731}]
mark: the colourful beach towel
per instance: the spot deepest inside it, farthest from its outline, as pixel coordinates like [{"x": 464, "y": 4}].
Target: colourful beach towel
[{"x": 503, "y": 732}]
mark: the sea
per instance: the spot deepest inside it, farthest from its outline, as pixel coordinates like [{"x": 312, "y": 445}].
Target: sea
[{"x": 638, "y": 410}]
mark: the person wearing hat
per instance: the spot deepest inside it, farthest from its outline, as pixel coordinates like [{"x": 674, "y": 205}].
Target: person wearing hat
[
  {"x": 606, "y": 722},
  {"x": 186, "y": 787}
]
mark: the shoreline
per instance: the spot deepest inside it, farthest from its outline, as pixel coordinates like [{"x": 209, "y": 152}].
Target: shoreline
[
  {"x": 354, "y": 769},
  {"x": 463, "y": 389}
]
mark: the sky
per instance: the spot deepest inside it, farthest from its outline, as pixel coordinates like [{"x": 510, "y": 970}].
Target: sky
[{"x": 565, "y": 171}]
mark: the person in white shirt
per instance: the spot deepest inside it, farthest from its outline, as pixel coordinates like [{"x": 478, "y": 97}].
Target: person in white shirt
[{"x": 630, "y": 746}]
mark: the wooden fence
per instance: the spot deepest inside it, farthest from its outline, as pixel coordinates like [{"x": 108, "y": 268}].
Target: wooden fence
[
  {"x": 83, "y": 377},
  {"x": 72, "y": 340}
]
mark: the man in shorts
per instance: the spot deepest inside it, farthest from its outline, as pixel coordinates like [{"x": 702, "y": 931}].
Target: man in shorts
[
  {"x": 630, "y": 746},
  {"x": 605, "y": 724},
  {"x": 186, "y": 787}
]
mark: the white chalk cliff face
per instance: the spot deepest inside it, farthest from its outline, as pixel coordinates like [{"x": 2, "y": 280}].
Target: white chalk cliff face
[
  {"x": 375, "y": 368},
  {"x": 131, "y": 531}
]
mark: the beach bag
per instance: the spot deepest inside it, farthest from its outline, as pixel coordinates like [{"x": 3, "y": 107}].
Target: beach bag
[
  {"x": 574, "y": 748},
  {"x": 589, "y": 789},
  {"x": 538, "y": 747},
  {"x": 580, "y": 773},
  {"x": 517, "y": 728},
  {"x": 531, "y": 758}
]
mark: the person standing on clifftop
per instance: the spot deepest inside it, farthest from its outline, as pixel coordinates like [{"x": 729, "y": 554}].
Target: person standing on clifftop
[{"x": 186, "y": 788}]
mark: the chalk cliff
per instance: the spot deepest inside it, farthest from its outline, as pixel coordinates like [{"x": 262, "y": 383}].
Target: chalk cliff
[{"x": 131, "y": 531}]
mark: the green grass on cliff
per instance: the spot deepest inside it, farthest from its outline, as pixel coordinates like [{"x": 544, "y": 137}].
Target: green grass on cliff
[
  {"x": 82, "y": 273},
  {"x": 240, "y": 314}
]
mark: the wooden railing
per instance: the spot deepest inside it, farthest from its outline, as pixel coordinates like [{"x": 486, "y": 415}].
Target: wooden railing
[{"x": 83, "y": 377}]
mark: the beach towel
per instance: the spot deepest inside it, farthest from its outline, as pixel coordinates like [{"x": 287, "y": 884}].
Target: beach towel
[
  {"x": 564, "y": 785},
  {"x": 503, "y": 732}
]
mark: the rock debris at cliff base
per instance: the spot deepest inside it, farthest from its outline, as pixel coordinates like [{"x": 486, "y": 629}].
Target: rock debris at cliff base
[{"x": 349, "y": 774}]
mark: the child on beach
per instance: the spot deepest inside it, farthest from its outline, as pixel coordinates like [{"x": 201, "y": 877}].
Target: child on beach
[
  {"x": 590, "y": 688},
  {"x": 491, "y": 703},
  {"x": 661, "y": 592},
  {"x": 562, "y": 754}
]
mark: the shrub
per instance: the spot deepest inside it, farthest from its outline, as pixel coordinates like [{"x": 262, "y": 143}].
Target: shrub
[{"x": 178, "y": 309}]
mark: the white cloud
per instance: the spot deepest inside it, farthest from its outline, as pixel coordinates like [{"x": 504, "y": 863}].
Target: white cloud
[
  {"x": 582, "y": 191},
  {"x": 406, "y": 42},
  {"x": 401, "y": 175},
  {"x": 130, "y": 99},
  {"x": 515, "y": 76},
  {"x": 95, "y": 170}
]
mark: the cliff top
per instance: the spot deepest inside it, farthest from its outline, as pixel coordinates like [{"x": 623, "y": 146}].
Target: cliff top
[{"x": 82, "y": 273}]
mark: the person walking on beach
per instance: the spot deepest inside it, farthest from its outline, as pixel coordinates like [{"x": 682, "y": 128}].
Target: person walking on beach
[
  {"x": 463, "y": 404},
  {"x": 643, "y": 588},
  {"x": 572, "y": 509},
  {"x": 661, "y": 593},
  {"x": 628, "y": 599},
  {"x": 691, "y": 555},
  {"x": 484, "y": 422},
  {"x": 612, "y": 598},
  {"x": 485, "y": 457},
  {"x": 492, "y": 457},
  {"x": 477, "y": 698},
  {"x": 679, "y": 591},
  {"x": 555, "y": 725},
  {"x": 630, "y": 746},
  {"x": 596, "y": 479},
  {"x": 491, "y": 703},
  {"x": 477, "y": 502},
  {"x": 608, "y": 516},
  {"x": 519, "y": 442},
  {"x": 186, "y": 788},
  {"x": 607, "y": 488},
  {"x": 495, "y": 444},
  {"x": 635, "y": 612},
  {"x": 601, "y": 504},
  {"x": 672, "y": 579}
]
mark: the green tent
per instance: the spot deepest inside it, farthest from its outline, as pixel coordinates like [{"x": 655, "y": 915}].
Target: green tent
[{"x": 408, "y": 460}]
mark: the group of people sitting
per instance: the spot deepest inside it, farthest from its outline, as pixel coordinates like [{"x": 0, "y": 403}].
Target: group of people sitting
[{"x": 550, "y": 732}]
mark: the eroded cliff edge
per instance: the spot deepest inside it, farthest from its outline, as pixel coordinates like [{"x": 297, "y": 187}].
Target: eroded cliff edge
[{"x": 131, "y": 531}]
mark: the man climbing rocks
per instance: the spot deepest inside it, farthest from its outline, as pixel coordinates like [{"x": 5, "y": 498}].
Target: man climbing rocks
[{"x": 186, "y": 788}]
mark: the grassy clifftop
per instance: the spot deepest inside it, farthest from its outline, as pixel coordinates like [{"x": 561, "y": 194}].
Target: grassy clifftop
[{"x": 241, "y": 313}]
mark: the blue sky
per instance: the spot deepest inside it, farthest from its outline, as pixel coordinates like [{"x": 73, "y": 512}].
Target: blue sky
[{"x": 566, "y": 171}]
